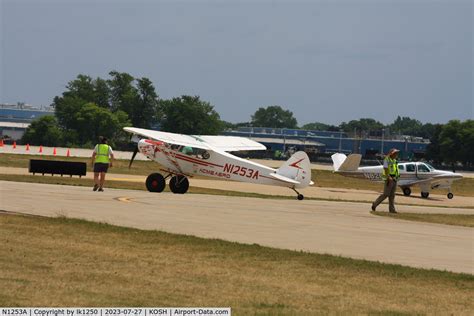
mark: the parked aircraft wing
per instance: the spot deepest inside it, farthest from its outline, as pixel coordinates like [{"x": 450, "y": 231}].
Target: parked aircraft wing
[
  {"x": 217, "y": 143},
  {"x": 435, "y": 179}
]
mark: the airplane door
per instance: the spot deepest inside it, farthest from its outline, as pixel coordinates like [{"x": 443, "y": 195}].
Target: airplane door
[
  {"x": 411, "y": 170},
  {"x": 422, "y": 171}
]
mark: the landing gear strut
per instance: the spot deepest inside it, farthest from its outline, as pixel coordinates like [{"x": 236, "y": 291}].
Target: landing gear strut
[
  {"x": 179, "y": 184},
  {"x": 299, "y": 196}
]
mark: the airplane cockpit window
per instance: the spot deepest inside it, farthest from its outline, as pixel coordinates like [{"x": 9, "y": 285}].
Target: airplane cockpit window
[
  {"x": 202, "y": 153},
  {"x": 187, "y": 150},
  {"x": 401, "y": 167},
  {"x": 410, "y": 167},
  {"x": 423, "y": 168},
  {"x": 429, "y": 166}
]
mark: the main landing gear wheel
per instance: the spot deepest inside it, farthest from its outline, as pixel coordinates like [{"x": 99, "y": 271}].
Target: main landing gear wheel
[
  {"x": 406, "y": 191},
  {"x": 450, "y": 195},
  {"x": 179, "y": 184},
  {"x": 155, "y": 182},
  {"x": 425, "y": 194}
]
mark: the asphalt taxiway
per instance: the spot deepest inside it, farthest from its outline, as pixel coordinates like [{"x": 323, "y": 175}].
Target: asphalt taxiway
[{"x": 333, "y": 227}]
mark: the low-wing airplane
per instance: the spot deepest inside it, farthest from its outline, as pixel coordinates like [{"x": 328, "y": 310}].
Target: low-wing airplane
[
  {"x": 183, "y": 156},
  {"x": 411, "y": 173}
]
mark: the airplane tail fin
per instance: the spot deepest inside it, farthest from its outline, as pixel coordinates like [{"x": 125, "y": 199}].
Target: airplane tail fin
[
  {"x": 297, "y": 168},
  {"x": 343, "y": 163}
]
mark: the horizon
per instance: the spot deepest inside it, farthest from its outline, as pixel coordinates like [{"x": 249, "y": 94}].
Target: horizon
[{"x": 328, "y": 62}]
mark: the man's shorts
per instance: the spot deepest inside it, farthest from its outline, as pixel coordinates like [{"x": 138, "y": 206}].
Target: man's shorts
[{"x": 101, "y": 167}]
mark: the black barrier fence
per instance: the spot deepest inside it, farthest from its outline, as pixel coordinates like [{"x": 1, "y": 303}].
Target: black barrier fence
[{"x": 53, "y": 167}]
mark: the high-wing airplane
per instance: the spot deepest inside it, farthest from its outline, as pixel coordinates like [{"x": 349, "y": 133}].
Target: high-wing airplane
[
  {"x": 183, "y": 156},
  {"x": 411, "y": 173}
]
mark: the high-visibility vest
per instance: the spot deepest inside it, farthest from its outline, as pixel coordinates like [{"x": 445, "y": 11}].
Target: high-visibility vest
[
  {"x": 392, "y": 168},
  {"x": 102, "y": 154}
]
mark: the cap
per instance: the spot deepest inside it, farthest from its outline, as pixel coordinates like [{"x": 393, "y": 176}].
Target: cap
[{"x": 393, "y": 151}]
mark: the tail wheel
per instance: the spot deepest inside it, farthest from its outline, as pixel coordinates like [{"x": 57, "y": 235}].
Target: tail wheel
[
  {"x": 425, "y": 194},
  {"x": 406, "y": 191},
  {"x": 450, "y": 195},
  {"x": 155, "y": 182},
  {"x": 300, "y": 197},
  {"x": 179, "y": 184}
]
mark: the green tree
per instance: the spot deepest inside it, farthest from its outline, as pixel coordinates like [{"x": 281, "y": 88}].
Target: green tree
[
  {"x": 190, "y": 115},
  {"x": 65, "y": 109},
  {"x": 467, "y": 140},
  {"x": 433, "y": 151},
  {"x": 406, "y": 126},
  {"x": 122, "y": 92},
  {"x": 43, "y": 131},
  {"x": 362, "y": 125},
  {"x": 316, "y": 126},
  {"x": 94, "y": 121},
  {"x": 274, "y": 116},
  {"x": 450, "y": 142},
  {"x": 146, "y": 110}
]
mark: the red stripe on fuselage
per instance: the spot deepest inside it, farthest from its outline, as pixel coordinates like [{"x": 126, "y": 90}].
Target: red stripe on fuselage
[{"x": 188, "y": 158}]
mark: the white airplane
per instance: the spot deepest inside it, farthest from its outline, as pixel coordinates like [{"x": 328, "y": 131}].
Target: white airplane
[
  {"x": 183, "y": 156},
  {"x": 411, "y": 173}
]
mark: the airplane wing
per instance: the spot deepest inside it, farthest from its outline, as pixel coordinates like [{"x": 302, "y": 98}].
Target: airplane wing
[
  {"x": 171, "y": 138},
  {"x": 216, "y": 143},
  {"x": 432, "y": 180},
  {"x": 232, "y": 143}
]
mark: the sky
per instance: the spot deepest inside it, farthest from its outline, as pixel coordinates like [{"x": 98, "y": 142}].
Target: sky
[{"x": 326, "y": 61}]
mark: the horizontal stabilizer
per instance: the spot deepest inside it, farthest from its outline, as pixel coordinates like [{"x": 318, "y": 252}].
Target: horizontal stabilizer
[{"x": 283, "y": 178}]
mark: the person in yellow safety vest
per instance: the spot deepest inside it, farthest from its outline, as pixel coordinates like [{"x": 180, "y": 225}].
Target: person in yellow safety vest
[
  {"x": 102, "y": 159},
  {"x": 390, "y": 175}
]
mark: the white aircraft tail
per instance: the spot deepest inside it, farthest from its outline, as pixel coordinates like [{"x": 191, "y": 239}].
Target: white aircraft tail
[
  {"x": 297, "y": 168},
  {"x": 343, "y": 163}
]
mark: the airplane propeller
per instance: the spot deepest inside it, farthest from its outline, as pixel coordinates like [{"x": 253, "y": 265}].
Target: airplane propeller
[{"x": 135, "y": 151}]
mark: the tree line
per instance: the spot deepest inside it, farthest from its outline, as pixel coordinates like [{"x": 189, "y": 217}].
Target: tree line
[{"x": 89, "y": 108}]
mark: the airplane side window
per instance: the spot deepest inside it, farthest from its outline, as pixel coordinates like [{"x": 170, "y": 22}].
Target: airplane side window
[
  {"x": 401, "y": 167},
  {"x": 411, "y": 168},
  {"x": 423, "y": 168}
]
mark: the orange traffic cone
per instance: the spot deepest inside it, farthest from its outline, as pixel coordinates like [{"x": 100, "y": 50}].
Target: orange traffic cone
[
  {"x": 68, "y": 154},
  {"x": 54, "y": 151},
  {"x": 1, "y": 142},
  {"x": 41, "y": 149},
  {"x": 14, "y": 144},
  {"x": 27, "y": 147}
]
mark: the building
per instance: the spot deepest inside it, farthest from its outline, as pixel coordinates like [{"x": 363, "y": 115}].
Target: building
[
  {"x": 329, "y": 142},
  {"x": 15, "y": 118}
]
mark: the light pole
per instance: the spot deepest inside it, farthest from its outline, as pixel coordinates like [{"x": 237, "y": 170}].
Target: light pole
[
  {"x": 340, "y": 140},
  {"x": 381, "y": 146}
]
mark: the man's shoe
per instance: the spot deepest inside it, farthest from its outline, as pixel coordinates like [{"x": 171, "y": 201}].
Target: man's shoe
[
  {"x": 373, "y": 207},
  {"x": 101, "y": 190},
  {"x": 393, "y": 212},
  {"x": 95, "y": 187}
]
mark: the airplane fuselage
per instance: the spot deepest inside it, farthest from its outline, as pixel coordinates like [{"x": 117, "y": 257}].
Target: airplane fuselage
[
  {"x": 220, "y": 165},
  {"x": 410, "y": 173}
]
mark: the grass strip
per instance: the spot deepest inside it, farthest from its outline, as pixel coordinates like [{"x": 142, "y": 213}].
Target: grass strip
[
  {"x": 322, "y": 178},
  {"x": 466, "y": 220},
  {"x": 68, "y": 262}
]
